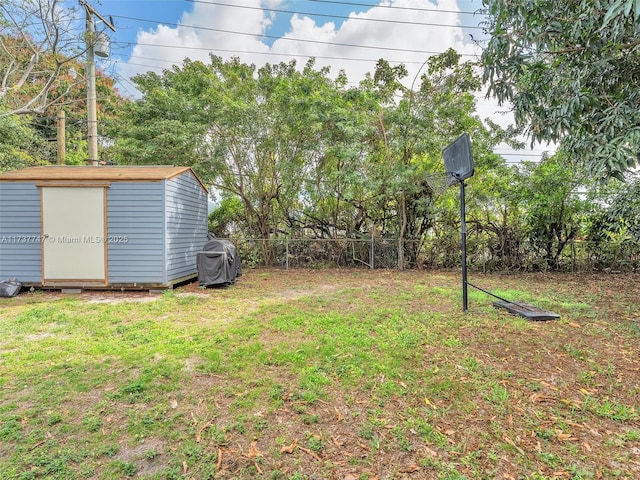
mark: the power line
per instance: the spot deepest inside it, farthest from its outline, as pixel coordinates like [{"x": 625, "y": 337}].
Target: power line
[
  {"x": 302, "y": 40},
  {"x": 521, "y": 154},
  {"x": 328, "y": 15},
  {"x": 393, "y": 7},
  {"x": 274, "y": 54},
  {"x": 139, "y": 64},
  {"x": 121, "y": 77}
]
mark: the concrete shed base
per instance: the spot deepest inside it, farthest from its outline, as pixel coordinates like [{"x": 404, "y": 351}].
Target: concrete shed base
[{"x": 71, "y": 287}]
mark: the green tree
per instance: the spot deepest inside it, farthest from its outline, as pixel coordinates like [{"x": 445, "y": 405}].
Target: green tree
[
  {"x": 304, "y": 154},
  {"x": 20, "y": 145},
  {"x": 413, "y": 133},
  {"x": 257, "y": 134},
  {"x": 553, "y": 212},
  {"x": 224, "y": 218},
  {"x": 572, "y": 73},
  {"x": 613, "y": 230}
]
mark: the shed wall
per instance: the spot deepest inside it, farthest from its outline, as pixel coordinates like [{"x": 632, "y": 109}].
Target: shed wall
[
  {"x": 135, "y": 228},
  {"x": 155, "y": 230},
  {"x": 186, "y": 224},
  {"x": 20, "y": 249}
]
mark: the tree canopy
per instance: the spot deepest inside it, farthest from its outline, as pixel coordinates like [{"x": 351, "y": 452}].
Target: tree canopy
[
  {"x": 37, "y": 48},
  {"x": 304, "y": 151},
  {"x": 572, "y": 72}
]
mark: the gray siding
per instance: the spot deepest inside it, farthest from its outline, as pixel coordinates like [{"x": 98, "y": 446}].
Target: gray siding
[
  {"x": 135, "y": 225},
  {"x": 186, "y": 224},
  {"x": 20, "y": 249}
]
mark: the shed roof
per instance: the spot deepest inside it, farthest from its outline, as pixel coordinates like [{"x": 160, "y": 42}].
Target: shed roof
[{"x": 93, "y": 173}]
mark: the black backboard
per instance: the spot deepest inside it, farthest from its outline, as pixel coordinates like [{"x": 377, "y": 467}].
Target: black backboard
[{"x": 458, "y": 160}]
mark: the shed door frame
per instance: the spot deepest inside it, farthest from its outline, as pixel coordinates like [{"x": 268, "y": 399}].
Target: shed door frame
[{"x": 91, "y": 245}]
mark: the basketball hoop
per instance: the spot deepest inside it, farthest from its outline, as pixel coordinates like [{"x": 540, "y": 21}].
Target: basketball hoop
[
  {"x": 438, "y": 183},
  {"x": 458, "y": 162},
  {"x": 458, "y": 159}
]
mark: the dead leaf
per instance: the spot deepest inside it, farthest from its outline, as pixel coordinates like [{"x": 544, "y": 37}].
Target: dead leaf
[
  {"x": 173, "y": 403},
  {"x": 310, "y": 452},
  {"x": 255, "y": 464},
  {"x": 587, "y": 446},
  {"x": 448, "y": 431},
  {"x": 350, "y": 477},
  {"x": 410, "y": 469},
  {"x": 253, "y": 451},
  {"x": 290, "y": 448},
  {"x": 430, "y": 451},
  {"x": 591, "y": 391},
  {"x": 574, "y": 325},
  {"x": 572, "y": 403},
  {"x": 507, "y": 439},
  {"x": 338, "y": 442},
  {"x": 540, "y": 397},
  {"x": 339, "y": 415},
  {"x": 199, "y": 432}
]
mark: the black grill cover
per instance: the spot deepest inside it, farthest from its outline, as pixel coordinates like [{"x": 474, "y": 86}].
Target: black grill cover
[{"x": 218, "y": 263}]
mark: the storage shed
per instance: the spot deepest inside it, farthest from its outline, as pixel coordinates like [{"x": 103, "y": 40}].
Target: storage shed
[{"x": 101, "y": 227}]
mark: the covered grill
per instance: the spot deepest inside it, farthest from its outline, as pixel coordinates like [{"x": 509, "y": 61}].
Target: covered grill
[{"x": 218, "y": 263}]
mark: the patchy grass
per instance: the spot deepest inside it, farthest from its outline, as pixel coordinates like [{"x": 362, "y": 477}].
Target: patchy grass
[{"x": 324, "y": 374}]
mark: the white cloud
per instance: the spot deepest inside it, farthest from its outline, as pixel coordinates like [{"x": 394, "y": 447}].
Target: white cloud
[
  {"x": 389, "y": 36},
  {"x": 199, "y": 32}
]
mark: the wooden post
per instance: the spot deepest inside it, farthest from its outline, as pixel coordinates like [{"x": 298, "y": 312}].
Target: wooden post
[{"x": 61, "y": 136}]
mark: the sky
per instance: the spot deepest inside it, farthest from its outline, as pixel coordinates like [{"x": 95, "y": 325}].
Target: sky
[{"x": 152, "y": 35}]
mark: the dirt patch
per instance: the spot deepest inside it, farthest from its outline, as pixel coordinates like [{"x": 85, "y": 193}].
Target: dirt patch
[
  {"x": 147, "y": 456},
  {"x": 114, "y": 300}
]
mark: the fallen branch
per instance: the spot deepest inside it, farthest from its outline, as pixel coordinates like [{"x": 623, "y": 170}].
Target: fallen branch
[{"x": 310, "y": 452}]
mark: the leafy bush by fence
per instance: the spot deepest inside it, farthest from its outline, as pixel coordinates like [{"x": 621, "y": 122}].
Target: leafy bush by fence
[{"x": 482, "y": 254}]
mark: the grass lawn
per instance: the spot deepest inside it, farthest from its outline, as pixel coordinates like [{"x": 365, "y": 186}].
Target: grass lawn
[{"x": 324, "y": 374}]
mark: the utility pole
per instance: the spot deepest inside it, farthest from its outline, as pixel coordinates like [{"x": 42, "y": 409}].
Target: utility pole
[
  {"x": 92, "y": 114},
  {"x": 61, "y": 136}
]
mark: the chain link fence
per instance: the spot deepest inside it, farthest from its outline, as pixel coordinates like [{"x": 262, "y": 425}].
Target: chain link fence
[{"x": 482, "y": 254}]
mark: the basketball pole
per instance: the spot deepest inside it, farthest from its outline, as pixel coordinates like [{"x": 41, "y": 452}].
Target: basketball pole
[
  {"x": 458, "y": 162},
  {"x": 463, "y": 235}
]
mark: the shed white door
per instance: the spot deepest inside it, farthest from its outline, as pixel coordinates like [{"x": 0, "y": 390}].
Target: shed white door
[{"x": 73, "y": 229}]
